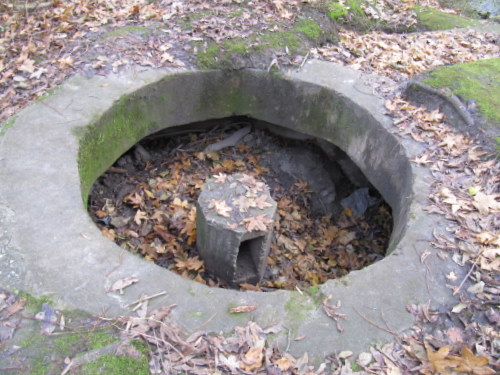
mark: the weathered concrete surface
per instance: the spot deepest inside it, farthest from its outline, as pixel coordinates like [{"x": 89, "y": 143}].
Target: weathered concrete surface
[
  {"x": 49, "y": 245},
  {"x": 230, "y": 249}
]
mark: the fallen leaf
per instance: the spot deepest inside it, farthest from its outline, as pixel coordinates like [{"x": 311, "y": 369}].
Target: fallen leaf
[
  {"x": 345, "y": 354},
  {"x": 16, "y": 307},
  {"x": 242, "y": 309},
  {"x": 457, "y": 309},
  {"x": 139, "y": 216},
  {"x": 261, "y": 202},
  {"x": 283, "y": 363},
  {"x": 221, "y": 207},
  {"x": 471, "y": 364},
  {"x": 486, "y": 203},
  {"x": 119, "y": 285},
  {"x": 253, "y": 357},
  {"x": 257, "y": 223},
  {"x": 440, "y": 361}
]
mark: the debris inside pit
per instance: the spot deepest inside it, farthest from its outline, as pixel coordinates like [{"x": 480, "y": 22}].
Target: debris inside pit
[{"x": 329, "y": 220}]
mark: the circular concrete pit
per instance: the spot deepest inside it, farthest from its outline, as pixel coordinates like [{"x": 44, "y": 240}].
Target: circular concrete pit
[{"x": 54, "y": 150}]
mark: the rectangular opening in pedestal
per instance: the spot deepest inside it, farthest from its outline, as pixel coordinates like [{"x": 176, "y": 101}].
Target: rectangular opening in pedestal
[{"x": 248, "y": 261}]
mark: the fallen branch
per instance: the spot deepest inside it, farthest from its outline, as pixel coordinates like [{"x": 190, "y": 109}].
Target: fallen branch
[{"x": 230, "y": 141}]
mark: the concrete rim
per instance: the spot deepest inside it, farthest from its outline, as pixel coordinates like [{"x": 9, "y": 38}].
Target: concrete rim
[{"x": 49, "y": 245}]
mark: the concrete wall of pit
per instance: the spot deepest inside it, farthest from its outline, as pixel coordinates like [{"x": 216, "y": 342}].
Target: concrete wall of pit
[{"x": 299, "y": 106}]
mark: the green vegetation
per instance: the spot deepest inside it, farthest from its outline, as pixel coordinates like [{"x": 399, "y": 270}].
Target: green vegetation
[
  {"x": 33, "y": 304},
  {"x": 221, "y": 55},
  {"x": 7, "y": 125},
  {"x": 122, "y": 31},
  {"x": 351, "y": 14},
  {"x": 309, "y": 28},
  {"x": 336, "y": 11},
  {"x": 66, "y": 343},
  {"x": 433, "y": 19},
  {"x": 284, "y": 39},
  {"x": 355, "y": 367},
  {"x": 103, "y": 141},
  {"x": 100, "y": 339},
  {"x": 479, "y": 80},
  {"x": 463, "y": 6},
  {"x": 116, "y": 365}
]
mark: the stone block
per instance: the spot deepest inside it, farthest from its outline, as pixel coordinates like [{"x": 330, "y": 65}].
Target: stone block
[{"x": 235, "y": 215}]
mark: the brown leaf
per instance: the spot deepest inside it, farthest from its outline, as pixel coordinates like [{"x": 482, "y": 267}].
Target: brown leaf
[
  {"x": 221, "y": 207},
  {"x": 119, "y": 285},
  {"x": 472, "y": 364},
  {"x": 257, "y": 223},
  {"x": 440, "y": 361},
  {"x": 486, "y": 203},
  {"x": 283, "y": 363},
  {"x": 16, "y": 307},
  {"x": 254, "y": 357},
  {"x": 261, "y": 202},
  {"x": 242, "y": 309}
]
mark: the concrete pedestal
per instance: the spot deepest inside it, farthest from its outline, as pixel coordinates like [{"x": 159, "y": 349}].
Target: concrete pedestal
[{"x": 234, "y": 222}]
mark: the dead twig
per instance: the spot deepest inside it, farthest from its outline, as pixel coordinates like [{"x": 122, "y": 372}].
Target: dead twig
[
  {"x": 206, "y": 322},
  {"x": 330, "y": 310},
  {"x": 468, "y": 274},
  {"x": 375, "y": 324},
  {"x": 146, "y": 298}
]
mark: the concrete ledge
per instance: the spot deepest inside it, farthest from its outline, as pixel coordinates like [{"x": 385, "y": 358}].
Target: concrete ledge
[{"x": 49, "y": 245}]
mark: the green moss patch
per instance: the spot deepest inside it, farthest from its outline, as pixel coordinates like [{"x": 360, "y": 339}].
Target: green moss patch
[
  {"x": 123, "y": 31},
  {"x": 45, "y": 354},
  {"x": 7, "y": 125},
  {"x": 350, "y": 14},
  {"x": 116, "y": 365},
  {"x": 479, "y": 80},
  {"x": 336, "y": 11},
  {"x": 433, "y": 19},
  {"x": 309, "y": 28},
  {"x": 107, "y": 138}
]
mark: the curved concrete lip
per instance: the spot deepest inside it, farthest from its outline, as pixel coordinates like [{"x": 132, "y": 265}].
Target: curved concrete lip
[{"x": 50, "y": 246}]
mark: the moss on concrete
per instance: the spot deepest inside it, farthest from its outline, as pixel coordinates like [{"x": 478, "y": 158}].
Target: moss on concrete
[
  {"x": 116, "y": 365},
  {"x": 433, "y": 19},
  {"x": 7, "y": 125},
  {"x": 45, "y": 354},
  {"x": 33, "y": 304},
  {"x": 100, "y": 339},
  {"x": 104, "y": 141},
  {"x": 299, "y": 306},
  {"x": 479, "y": 80}
]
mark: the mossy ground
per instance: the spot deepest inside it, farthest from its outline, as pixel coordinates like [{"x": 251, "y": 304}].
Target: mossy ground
[
  {"x": 479, "y": 80},
  {"x": 116, "y": 365},
  {"x": 45, "y": 354},
  {"x": 298, "y": 38},
  {"x": 351, "y": 14},
  {"x": 433, "y": 19},
  {"x": 122, "y": 31}
]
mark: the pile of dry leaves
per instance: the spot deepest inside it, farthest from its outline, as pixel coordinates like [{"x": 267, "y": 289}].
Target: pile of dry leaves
[{"x": 155, "y": 214}]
